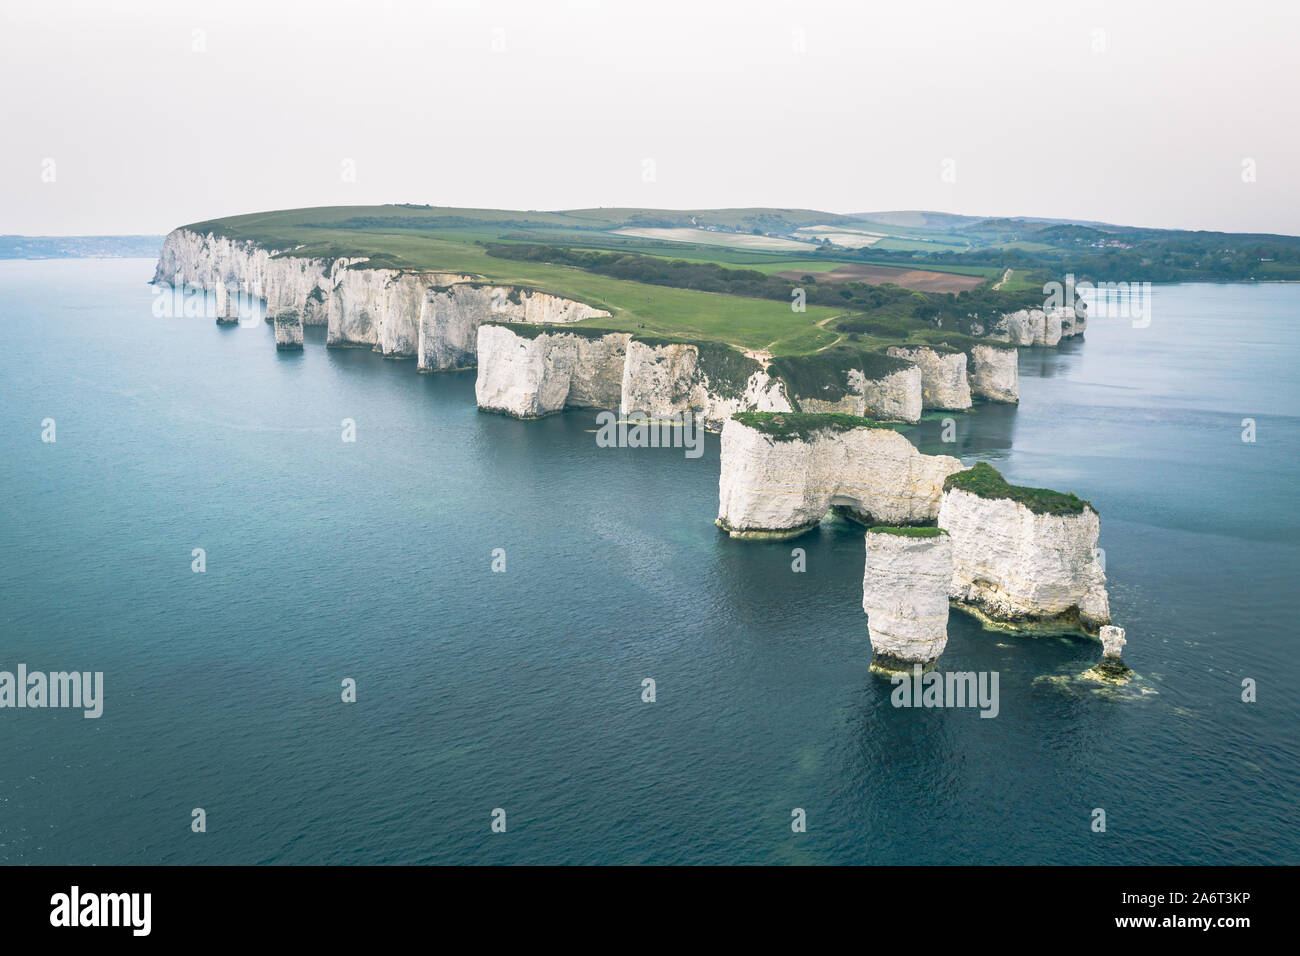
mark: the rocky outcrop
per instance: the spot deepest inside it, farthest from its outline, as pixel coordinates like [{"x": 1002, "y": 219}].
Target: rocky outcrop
[
  {"x": 1023, "y": 557},
  {"x": 1038, "y": 327},
  {"x": 905, "y": 594},
  {"x": 528, "y": 373},
  {"x": 943, "y": 375},
  {"x": 1051, "y": 334},
  {"x": 1017, "y": 328},
  {"x": 1074, "y": 321},
  {"x": 669, "y": 379},
  {"x": 1111, "y": 668},
  {"x": 994, "y": 373},
  {"x": 288, "y": 331},
  {"x": 782, "y": 473},
  {"x": 895, "y": 397}
]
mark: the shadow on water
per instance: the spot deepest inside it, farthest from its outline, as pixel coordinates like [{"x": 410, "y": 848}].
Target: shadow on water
[
  {"x": 1048, "y": 363},
  {"x": 985, "y": 431}
]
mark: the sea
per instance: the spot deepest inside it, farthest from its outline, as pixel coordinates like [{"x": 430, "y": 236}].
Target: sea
[{"x": 554, "y": 654}]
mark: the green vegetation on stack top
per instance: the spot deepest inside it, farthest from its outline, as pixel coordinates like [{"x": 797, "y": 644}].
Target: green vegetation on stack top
[
  {"x": 987, "y": 482},
  {"x": 789, "y": 426},
  {"x": 907, "y": 531}
]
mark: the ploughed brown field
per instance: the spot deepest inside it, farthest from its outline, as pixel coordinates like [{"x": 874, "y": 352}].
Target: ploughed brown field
[{"x": 922, "y": 280}]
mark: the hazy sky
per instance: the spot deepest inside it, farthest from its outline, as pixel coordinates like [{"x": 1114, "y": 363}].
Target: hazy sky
[{"x": 149, "y": 115}]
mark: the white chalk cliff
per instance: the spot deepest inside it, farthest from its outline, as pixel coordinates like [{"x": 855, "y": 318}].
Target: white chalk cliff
[
  {"x": 905, "y": 594},
  {"x": 528, "y": 373},
  {"x": 944, "y": 384},
  {"x": 994, "y": 373},
  {"x": 529, "y": 376},
  {"x": 780, "y": 485},
  {"x": 427, "y": 315},
  {"x": 1039, "y": 327},
  {"x": 664, "y": 380},
  {"x": 1018, "y": 567}
]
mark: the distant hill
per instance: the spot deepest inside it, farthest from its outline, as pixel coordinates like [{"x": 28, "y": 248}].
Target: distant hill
[
  {"x": 79, "y": 247},
  {"x": 947, "y": 221}
]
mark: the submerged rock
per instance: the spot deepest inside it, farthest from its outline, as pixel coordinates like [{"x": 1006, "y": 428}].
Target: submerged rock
[
  {"x": 781, "y": 473},
  {"x": 905, "y": 595}
]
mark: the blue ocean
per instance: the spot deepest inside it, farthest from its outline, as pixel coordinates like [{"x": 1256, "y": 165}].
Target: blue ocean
[{"x": 521, "y": 689}]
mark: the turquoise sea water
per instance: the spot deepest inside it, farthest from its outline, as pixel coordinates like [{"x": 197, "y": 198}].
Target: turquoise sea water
[{"x": 522, "y": 690}]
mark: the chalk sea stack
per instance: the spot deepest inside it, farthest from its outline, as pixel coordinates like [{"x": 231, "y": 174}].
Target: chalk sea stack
[
  {"x": 905, "y": 595},
  {"x": 944, "y": 385},
  {"x": 1112, "y": 650},
  {"x": 1023, "y": 558}
]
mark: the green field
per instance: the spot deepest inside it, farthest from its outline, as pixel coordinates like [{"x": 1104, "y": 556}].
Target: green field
[
  {"x": 451, "y": 240},
  {"x": 732, "y": 294}
]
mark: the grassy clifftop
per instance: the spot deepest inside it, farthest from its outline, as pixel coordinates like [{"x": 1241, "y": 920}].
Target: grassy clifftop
[
  {"x": 454, "y": 244},
  {"x": 687, "y": 275}
]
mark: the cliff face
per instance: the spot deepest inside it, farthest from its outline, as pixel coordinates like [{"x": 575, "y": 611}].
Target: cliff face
[
  {"x": 1017, "y": 328},
  {"x": 1073, "y": 322},
  {"x": 895, "y": 397},
  {"x": 664, "y": 380},
  {"x": 532, "y": 376},
  {"x": 779, "y": 487},
  {"x": 905, "y": 594},
  {"x": 994, "y": 374},
  {"x": 1017, "y": 567},
  {"x": 943, "y": 376},
  {"x": 215, "y": 262},
  {"x": 449, "y": 319},
  {"x": 422, "y": 315},
  {"x": 431, "y": 316},
  {"x": 1038, "y": 327}
]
